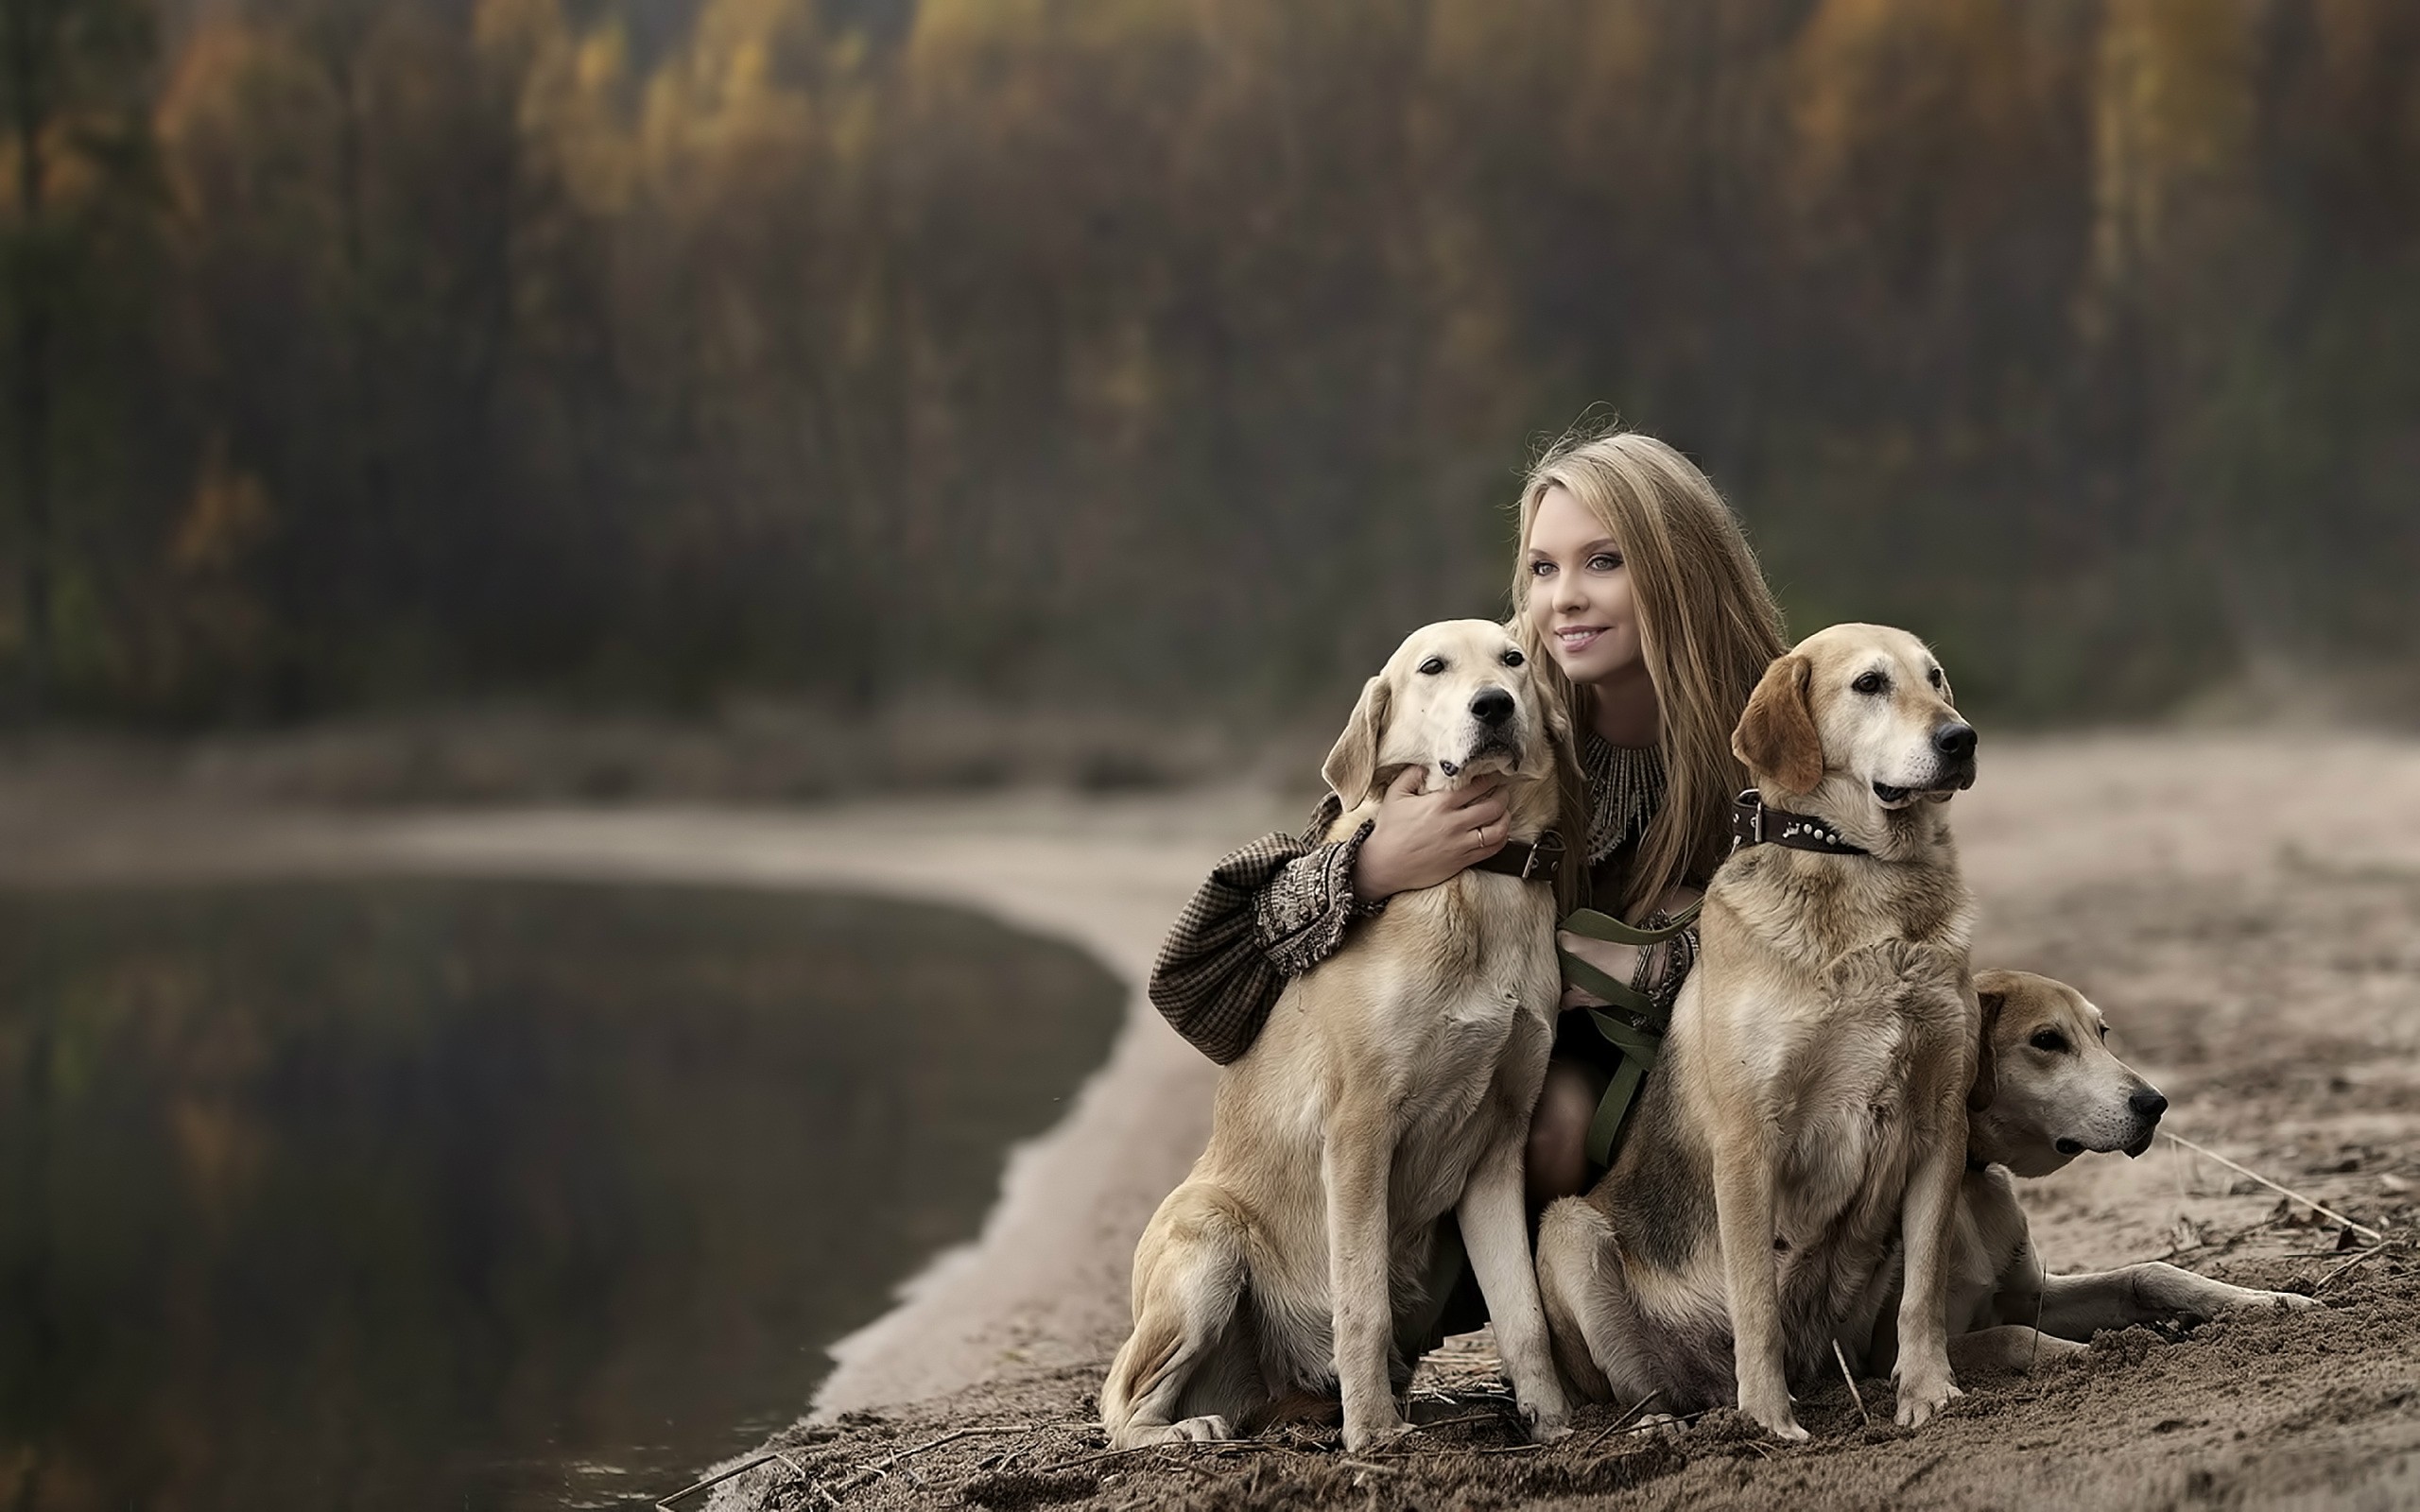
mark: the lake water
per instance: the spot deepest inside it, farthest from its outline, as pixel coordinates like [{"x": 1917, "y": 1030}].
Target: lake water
[{"x": 426, "y": 1195}]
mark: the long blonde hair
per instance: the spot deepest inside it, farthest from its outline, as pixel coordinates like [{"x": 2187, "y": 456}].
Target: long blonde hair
[{"x": 1707, "y": 624}]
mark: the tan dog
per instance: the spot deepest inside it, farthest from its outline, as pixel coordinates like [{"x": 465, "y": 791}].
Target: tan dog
[
  {"x": 1808, "y": 1110},
  {"x": 2049, "y": 1090},
  {"x": 1391, "y": 1085}
]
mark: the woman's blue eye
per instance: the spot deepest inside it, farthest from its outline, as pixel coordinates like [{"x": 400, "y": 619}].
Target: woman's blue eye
[
  {"x": 1539, "y": 568},
  {"x": 1605, "y": 561}
]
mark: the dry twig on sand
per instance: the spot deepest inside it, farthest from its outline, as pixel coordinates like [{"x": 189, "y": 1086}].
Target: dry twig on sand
[
  {"x": 1850, "y": 1379},
  {"x": 877, "y": 1469},
  {"x": 2341, "y": 1271},
  {"x": 1622, "y": 1423},
  {"x": 2313, "y": 1204}
]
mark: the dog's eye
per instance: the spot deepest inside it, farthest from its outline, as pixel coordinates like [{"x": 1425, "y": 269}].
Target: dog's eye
[
  {"x": 1511, "y": 659},
  {"x": 1933, "y": 677},
  {"x": 1870, "y": 682},
  {"x": 2105, "y": 1031},
  {"x": 1432, "y": 666},
  {"x": 2049, "y": 1040}
]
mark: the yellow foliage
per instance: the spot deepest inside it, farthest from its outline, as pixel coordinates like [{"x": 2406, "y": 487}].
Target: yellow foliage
[
  {"x": 226, "y": 521},
  {"x": 569, "y": 90},
  {"x": 2173, "y": 110}
]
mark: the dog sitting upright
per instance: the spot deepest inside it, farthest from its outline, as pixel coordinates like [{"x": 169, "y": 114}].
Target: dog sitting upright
[
  {"x": 1808, "y": 1109},
  {"x": 1393, "y": 1084}
]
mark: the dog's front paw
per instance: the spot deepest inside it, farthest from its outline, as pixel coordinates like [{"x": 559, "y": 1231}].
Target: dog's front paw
[
  {"x": 1547, "y": 1425},
  {"x": 1773, "y": 1414},
  {"x": 2282, "y": 1301},
  {"x": 1922, "y": 1398},
  {"x": 1375, "y": 1430}
]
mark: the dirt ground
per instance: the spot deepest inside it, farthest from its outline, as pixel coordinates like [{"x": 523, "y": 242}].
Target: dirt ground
[
  {"x": 2246, "y": 908},
  {"x": 2247, "y": 913}
]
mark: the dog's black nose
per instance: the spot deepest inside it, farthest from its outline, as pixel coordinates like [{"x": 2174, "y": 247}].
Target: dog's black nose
[
  {"x": 1492, "y": 707},
  {"x": 1955, "y": 740},
  {"x": 2148, "y": 1103}
]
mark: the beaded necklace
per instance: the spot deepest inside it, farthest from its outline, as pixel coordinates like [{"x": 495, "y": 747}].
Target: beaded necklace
[{"x": 1625, "y": 784}]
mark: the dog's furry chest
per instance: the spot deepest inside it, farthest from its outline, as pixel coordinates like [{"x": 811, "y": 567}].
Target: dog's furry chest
[
  {"x": 1808, "y": 911},
  {"x": 1846, "y": 1123},
  {"x": 1419, "y": 1015}
]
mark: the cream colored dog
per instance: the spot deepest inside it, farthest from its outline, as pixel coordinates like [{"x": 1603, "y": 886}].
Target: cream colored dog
[
  {"x": 1808, "y": 1112},
  {"x": 1393, "y": 1084},
  {"x": 2048, "y": 1090}
]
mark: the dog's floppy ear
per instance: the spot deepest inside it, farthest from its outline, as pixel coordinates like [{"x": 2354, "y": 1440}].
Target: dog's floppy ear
[
  {"x": 1776, "y": 735},
  {"x": 1354, "y": 762},
  {"x": 1987, "y": 1071}
]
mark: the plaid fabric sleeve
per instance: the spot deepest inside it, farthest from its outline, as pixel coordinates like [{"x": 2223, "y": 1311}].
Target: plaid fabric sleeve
[{"x": 1269, "y": 911}]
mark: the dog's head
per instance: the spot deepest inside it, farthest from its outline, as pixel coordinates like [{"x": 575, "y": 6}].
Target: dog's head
[
  {"x": 2048, "y": 1087},
  {"x": 1457, "y": 698},
  {"x": 1862, "y": 712}
]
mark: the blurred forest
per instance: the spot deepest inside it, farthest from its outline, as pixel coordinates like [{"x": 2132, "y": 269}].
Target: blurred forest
[{"x": 1178, "y": 354}]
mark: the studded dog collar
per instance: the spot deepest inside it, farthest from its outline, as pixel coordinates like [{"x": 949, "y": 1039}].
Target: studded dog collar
[{"x": 1752, "y": 823}]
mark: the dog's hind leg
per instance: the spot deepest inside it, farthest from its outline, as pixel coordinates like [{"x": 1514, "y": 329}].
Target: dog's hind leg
[
  {"x": 2073, "y": 1307},
  {"x": 1582, "y": 1292},
  {"x": 1189, "y": 1278},
  {"x": 1573, "y": 1239},
  {"x": 2011, "y": 1347}
]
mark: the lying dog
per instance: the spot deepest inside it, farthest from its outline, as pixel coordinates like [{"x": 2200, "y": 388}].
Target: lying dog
[
  {"x": 1393, "y": 1084},
  {"x": 1807, "y": 1111},
  {"x": 2048, "y": 1089}
]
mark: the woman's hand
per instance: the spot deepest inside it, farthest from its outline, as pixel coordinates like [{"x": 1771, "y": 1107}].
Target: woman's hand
[
  {"x": 1422, "y": 838},
  {"x": 1620, "y": 962}
]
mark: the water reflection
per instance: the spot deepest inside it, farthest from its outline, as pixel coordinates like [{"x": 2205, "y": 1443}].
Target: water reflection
[{"x": 424, "y": 1194}]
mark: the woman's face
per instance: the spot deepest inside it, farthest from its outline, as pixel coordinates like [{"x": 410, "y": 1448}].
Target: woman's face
[{"x": 1580, "y": 590}]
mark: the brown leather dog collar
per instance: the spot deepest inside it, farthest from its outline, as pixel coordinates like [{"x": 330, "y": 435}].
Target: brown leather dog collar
[
  {"x": 1531, "y": 862},
  {"x": 1752, "y": 823}
]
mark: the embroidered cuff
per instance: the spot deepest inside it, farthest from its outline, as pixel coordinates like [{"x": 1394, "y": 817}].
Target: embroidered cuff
[
  {"x": 1300, "y": 916},
  {"x": 1679, "y": 956}
]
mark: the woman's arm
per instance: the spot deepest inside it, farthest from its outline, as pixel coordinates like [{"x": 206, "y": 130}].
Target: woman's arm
[
  {"x": 1280, "y": 906},
  {"x": 1668, "y": 968},
  {"x": 1267, "y": 912}
]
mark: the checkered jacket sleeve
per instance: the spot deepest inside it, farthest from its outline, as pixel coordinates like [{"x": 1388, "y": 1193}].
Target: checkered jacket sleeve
[{"x": 1268, "y": 912}]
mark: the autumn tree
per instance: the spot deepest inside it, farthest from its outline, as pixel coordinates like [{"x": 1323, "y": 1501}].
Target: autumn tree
[{"x": 73, "y": 78}]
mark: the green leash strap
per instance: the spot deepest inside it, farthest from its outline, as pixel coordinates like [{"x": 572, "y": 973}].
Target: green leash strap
[
  {"x": 1638, "y": 1049},
  {"x": 1632, "y": 1024},
  {"x": 1614, "y": 932}
]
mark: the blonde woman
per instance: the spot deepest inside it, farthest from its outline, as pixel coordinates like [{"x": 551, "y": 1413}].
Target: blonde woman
[{"x": 1638, "y": 597}]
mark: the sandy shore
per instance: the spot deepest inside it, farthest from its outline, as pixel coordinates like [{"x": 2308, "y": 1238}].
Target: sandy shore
[{"x": 2245, "y": 908}]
